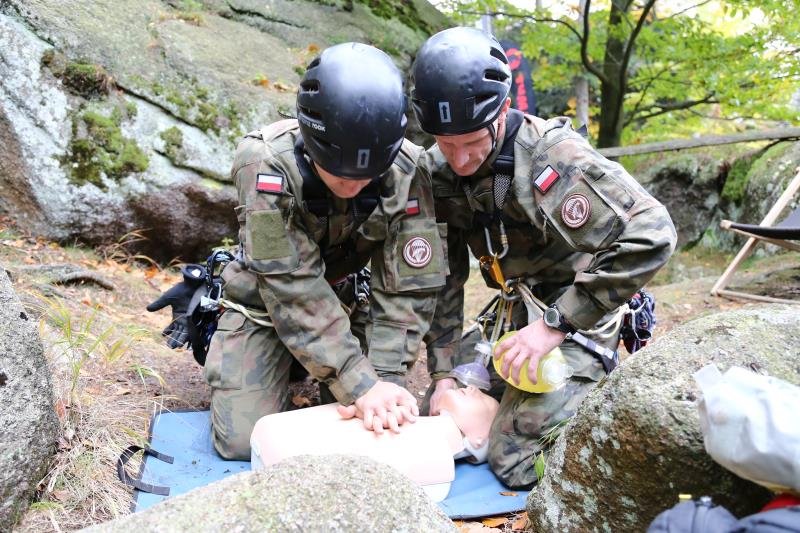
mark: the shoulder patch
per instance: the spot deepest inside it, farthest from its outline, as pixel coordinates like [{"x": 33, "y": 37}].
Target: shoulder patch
[
  {"x": 412, "y": 206},
  {"x": 576, "y": 210},
  {"x": 546, "y": 179},
  {"x": 417, "y": 252},
  {"x": 271, "y": 183}
]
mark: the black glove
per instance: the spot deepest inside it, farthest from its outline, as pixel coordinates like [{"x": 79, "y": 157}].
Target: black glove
[{"x": 179, "y": 296}]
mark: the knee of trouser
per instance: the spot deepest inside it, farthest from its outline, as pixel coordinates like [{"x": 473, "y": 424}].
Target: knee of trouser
[
  {"x": 233, "y": 445},
  {"x": 511, "y": 463}
]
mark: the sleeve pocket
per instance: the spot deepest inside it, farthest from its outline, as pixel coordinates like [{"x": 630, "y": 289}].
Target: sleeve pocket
[
  {"x": 268, "y": 247},
  {"x": 414, "y": 256}
]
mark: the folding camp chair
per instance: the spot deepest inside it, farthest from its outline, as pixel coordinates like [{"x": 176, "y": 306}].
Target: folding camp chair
[{"x": 781, "y": 234}]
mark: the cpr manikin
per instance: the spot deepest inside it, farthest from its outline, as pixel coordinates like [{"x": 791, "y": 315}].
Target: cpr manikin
[{"x": 423, "y": 451}]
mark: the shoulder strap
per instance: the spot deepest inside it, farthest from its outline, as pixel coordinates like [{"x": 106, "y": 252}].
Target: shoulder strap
[{"x": 502, "y": 169}]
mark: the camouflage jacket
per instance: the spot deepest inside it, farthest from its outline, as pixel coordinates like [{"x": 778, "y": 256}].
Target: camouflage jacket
[
  {"x": 284, "y": 268},
  {"x": 581, "y": 231}
]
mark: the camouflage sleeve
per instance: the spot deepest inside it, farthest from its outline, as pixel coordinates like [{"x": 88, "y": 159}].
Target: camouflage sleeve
[
  {"x": 407, "y": 270},
  {"x": 600, "y": 209},
  {"x": 304, "y": 309},
  {"x": 444, "y": 337}
]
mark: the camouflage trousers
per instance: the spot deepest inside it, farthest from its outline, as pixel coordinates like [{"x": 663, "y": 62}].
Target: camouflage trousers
[{"x": 248, "y": 370}]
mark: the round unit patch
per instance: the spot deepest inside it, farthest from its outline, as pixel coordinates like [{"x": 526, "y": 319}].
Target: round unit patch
[
  {"x": 576, "y": 210},
  {"x": 417, "y": 252}
]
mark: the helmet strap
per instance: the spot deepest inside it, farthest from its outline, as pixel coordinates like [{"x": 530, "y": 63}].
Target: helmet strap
[{"x": 493, "y": 133}]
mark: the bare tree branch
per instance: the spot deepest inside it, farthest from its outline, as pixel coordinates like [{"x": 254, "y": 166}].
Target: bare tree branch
[
  {"x": 668, "y": 107},
  {"x": 585, "y": 46},
  {"x": 682, "y": 11}
]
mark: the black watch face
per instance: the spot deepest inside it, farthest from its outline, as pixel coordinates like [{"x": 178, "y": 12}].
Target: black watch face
[{"x": 552, "y": 317}]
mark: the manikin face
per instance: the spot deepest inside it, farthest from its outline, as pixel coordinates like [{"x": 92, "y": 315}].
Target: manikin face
[
  {"x": 472, "y": 411},
  {"x": 341, "y": 187},
  {"x": 466, "y": 153}
]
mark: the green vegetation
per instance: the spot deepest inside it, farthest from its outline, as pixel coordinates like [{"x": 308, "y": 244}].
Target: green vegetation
[
  {"x": 173, "y": 144},
  {"x": 98, "y": 148},
  {"x": 81, "y": 77},
  {"x": 736, "y": 182},
  {"x": 196, "y": 107},
  {"x": 402, "y": 10},
  {"x": 657, "y": 70}
]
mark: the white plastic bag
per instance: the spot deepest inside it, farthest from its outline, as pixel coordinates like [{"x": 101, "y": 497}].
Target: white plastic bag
[{"x": 751, "y": 425}]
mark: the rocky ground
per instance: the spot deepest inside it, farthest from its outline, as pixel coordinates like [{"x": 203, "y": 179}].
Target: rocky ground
[{"x": 112, "y": 370}]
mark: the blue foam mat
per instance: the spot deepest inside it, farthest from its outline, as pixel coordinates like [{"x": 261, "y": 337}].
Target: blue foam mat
[{"x": 186, "y": 436}]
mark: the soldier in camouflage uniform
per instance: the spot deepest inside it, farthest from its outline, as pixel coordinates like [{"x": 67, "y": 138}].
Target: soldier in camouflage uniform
[
  {"x": 581, "y": 233},
  {"x": 318, "y": 199}
]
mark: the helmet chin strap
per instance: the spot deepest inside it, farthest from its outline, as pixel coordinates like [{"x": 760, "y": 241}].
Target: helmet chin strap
[{"x": 493, "y": 133}]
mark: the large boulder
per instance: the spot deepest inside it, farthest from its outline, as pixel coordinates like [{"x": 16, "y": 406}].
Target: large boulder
[
  {"x": 702, "y": 187},
  {"x": 121, "y": 115},
  {"x": 635, "y": 443},
  {"x": 333, "y": 493},
  {"x": 27, "y": 417}
]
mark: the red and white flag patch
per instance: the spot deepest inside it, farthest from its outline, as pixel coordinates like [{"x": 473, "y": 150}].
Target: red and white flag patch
[
  {"x": 269, "y": 183},
  {"x": 412, "y": 206},
  {"x": 546, "y": 179}
]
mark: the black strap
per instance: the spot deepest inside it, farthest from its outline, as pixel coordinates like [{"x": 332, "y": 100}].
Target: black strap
[
  {"x": 503, "y": 175},
  {"x": 135, "y": 482},
  {"x": 317, "y": 198}
]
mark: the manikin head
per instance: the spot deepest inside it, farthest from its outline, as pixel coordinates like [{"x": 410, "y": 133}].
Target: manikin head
[
  {"x": 461, "y": 84},
  {"x": 351, "y": 109},
  {"x": 472, "y": 411}
]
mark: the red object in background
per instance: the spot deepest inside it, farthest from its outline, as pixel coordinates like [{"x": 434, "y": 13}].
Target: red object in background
[{"x": 522, "y": 95}]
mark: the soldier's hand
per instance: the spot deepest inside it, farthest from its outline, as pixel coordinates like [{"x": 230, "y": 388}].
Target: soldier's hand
[
  {"x": 178, "y": 297},
  {"x": 443, "y": 385},
  {"x": 531, "y": 343},
  {"x": 386, "y": 405}
]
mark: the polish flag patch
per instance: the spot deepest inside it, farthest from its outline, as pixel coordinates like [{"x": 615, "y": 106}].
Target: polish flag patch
[
  {"x": 546, "y": 179},
  {"x": 412, "y": 206},
  {"x": 269, "y": 183}
]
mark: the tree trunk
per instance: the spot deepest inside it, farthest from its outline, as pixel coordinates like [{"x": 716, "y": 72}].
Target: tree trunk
[
  {"x": 581, "y": 83},
  {"x": 612, "y": 91}
]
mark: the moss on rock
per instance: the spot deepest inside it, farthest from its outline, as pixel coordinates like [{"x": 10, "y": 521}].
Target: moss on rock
[
  {"x": 99, "y": 149},
  {"x": 81, "y": 77},
  {"x": 173, "y": 144},
  {"x": 736, "y": 181}
]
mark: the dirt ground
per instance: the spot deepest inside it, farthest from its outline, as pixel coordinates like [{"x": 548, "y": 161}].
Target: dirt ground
[{"x": 112, "y": 371}]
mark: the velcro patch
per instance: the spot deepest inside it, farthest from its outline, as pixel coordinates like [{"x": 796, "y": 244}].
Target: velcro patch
[
  {"x": 272, "y": 183},
  {"x": 546, "y": 179},
  {"x": 412, "y": 206},
  {"x": 576, "y": 210},
  {"x": 417, "y": 252}
]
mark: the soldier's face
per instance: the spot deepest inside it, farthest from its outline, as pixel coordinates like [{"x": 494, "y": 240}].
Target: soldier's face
[
  {"x": 466, "y": 153},
  {"x": 341, "y": 187}
]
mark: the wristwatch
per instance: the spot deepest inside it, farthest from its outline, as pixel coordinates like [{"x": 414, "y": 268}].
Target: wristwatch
[{"x": 554, "y": 319}]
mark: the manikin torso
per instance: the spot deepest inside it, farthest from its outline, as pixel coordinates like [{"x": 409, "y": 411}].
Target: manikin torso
[{"x": 422, "y": 451}]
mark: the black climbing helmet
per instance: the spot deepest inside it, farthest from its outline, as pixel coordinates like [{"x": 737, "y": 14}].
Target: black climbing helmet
[
  {"x": 461, "y": 80},
  {"x": 351, "y": 108}
]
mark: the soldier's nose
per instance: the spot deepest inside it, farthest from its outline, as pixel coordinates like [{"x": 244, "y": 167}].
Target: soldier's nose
[{"x": 460, "y": 157}]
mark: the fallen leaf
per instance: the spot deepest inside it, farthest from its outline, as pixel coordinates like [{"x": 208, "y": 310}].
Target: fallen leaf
[
  {"x": 508, "y": 493},
  {"x": 60, "y": 495},
  {"x": 495, "y": 521},
  {"x": 150, "y": 272},
  {"x": 521, "y": 523},
  {"x": 61, "y": 410}
]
